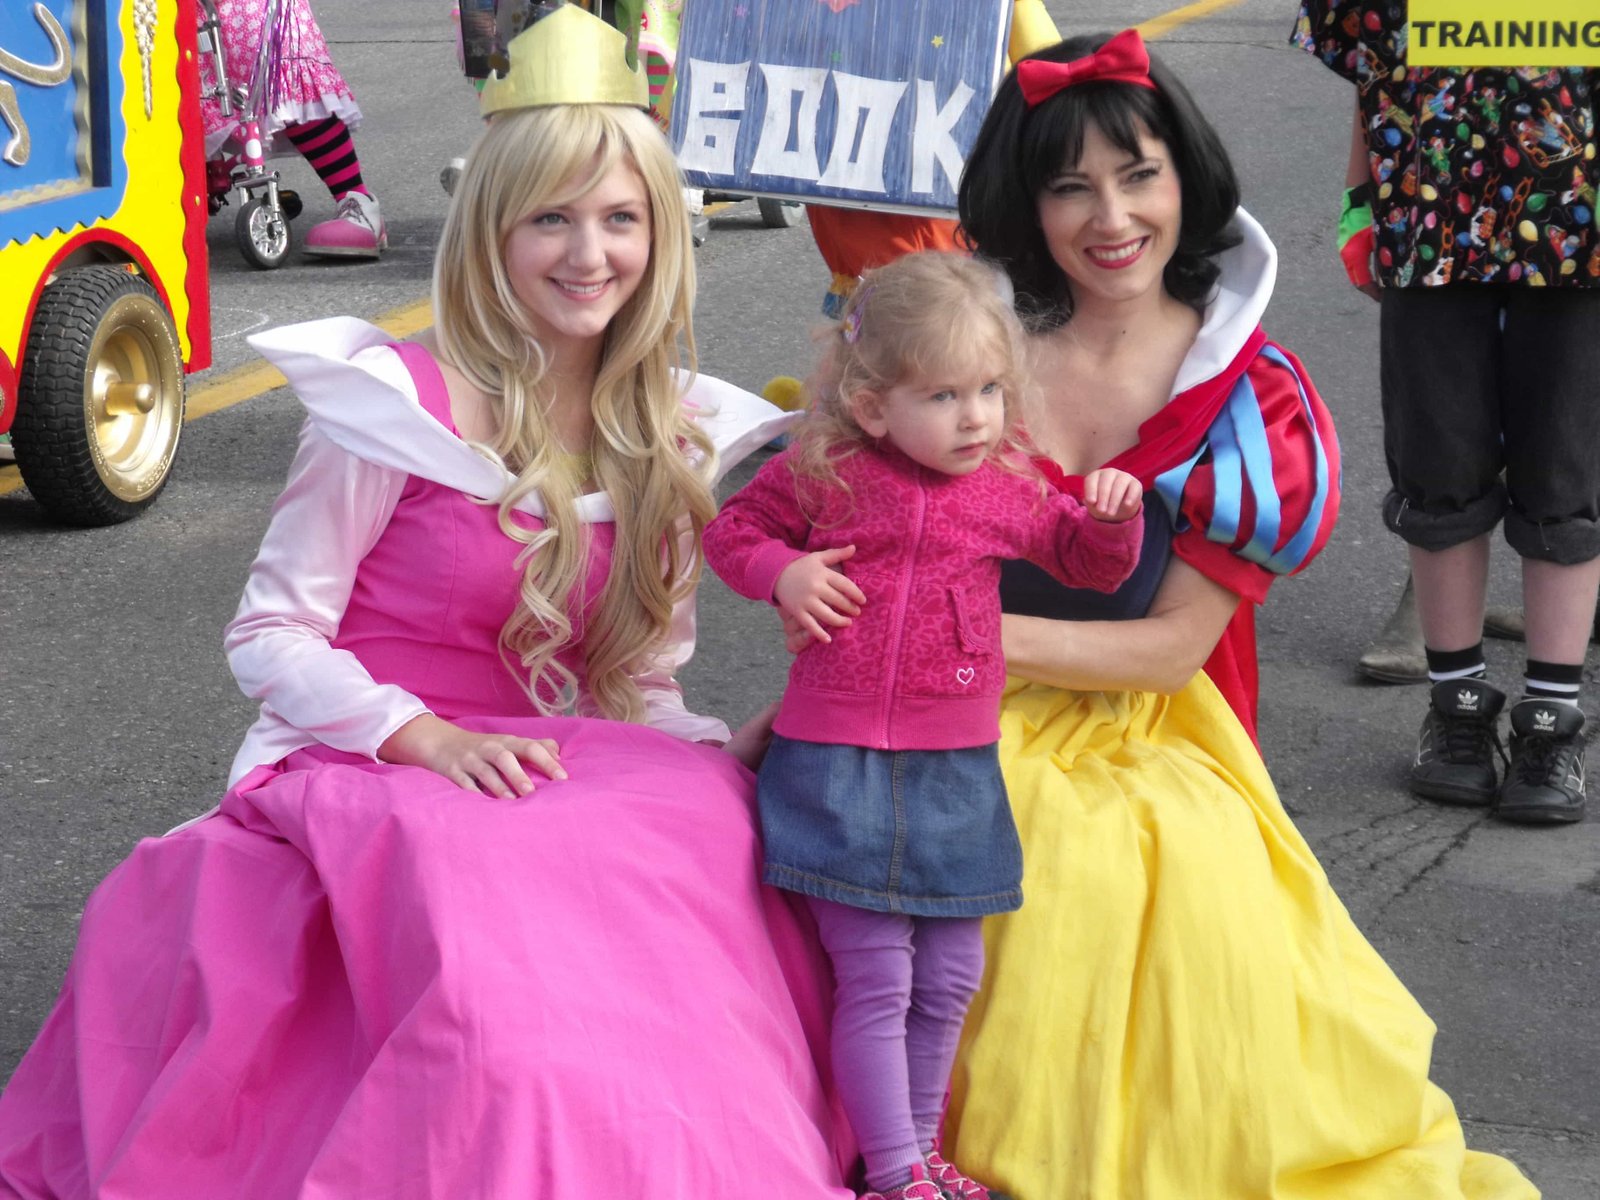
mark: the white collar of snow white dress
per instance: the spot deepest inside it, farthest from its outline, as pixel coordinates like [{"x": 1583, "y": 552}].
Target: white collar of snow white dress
[{"x": 1249, "y": 271}]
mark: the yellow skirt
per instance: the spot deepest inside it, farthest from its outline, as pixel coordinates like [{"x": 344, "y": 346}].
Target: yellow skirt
[{"x": 1183, "y": 1009}]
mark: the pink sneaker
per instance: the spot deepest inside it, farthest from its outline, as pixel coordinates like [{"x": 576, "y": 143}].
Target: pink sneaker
[
  {"x": 956, "y": 1185},
  {"x": 921, "y": 1187},
  {"x": 357, "y": 232}
]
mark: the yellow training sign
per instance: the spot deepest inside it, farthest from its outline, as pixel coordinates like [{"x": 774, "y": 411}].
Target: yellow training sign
[{"x": 1479, "y": 33}]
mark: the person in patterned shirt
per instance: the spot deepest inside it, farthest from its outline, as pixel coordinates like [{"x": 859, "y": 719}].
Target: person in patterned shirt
[{"x": 1471, "y": 215}]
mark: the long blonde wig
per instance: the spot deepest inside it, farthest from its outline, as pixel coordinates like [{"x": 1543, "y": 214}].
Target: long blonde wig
[{"x": 652, "y": 462}]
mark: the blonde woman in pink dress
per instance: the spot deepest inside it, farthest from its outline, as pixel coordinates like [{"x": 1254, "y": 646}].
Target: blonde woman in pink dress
[
  {"x": 442, "y": 939},
  {"x": 310, "y": 109}
]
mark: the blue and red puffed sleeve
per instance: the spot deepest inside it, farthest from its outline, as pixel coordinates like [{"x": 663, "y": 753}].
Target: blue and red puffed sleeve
[{"x": 1259, "y": 497}]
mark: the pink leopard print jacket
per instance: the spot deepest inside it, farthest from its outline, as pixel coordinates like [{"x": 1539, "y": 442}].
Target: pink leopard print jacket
[{"x": 920, "y": 668}]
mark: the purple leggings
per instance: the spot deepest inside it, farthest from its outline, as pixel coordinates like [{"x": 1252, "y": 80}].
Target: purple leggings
[{"x": 901, "y": 989}]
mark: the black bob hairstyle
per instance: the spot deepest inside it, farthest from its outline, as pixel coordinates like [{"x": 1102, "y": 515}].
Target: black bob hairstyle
[{"x": 1019, "y": 150}]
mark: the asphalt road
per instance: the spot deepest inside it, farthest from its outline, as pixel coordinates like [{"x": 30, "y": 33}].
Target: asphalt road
[{"x": 118, "y": 716}]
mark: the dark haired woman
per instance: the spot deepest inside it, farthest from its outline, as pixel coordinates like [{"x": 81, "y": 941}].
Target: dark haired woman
[{"x": 1182, "y": 1008}]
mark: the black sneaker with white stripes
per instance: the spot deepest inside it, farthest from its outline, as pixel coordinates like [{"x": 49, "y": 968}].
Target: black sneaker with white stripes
[
  {"x": 1544, "y": 781},
  {"x": 1457, "y": 746}
]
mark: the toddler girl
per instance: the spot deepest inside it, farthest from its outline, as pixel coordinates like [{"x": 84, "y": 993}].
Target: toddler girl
[{"x": 880, "y": 533}]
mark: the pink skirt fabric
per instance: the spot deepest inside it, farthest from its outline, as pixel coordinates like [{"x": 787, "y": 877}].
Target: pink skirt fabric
[
  {"x": 305, "y": 86},
  {"x": 359, "y": 980}
]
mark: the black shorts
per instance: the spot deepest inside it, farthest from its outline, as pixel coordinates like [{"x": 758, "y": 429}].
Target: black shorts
[{"x": 1482, "y": 381}]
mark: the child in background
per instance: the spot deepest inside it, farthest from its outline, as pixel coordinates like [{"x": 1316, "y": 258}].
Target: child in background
[
  {"x": 310, "y": 106},
  {"x": 880, "y": 533},
  {"x": 1471, "y": 207}
]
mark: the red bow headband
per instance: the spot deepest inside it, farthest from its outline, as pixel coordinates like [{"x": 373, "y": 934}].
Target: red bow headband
[{"x": 1123, "y": 59}]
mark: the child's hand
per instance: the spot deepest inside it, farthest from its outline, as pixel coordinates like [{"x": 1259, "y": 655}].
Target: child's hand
[
  {"x": 1112, "y": 495},
  {"x": 490, "y": 763},
  {"x": 814, "y": 594}
]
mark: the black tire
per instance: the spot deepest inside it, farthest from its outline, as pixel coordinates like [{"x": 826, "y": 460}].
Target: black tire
[
  {"x": 780, "y": 214},
  {"x": 100, "y": 399},
  {"x": 263, "y": 233},
  {"x": 293, "y": 206}
]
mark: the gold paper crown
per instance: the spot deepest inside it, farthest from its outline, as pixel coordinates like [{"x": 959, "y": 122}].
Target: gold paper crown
[{"x": 569, "y": 57}]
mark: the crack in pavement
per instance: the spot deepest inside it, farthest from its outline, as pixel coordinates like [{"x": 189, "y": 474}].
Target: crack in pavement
[{"x": 1438, "y": 860}]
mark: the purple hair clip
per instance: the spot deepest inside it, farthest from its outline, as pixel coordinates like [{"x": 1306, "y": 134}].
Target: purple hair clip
[{"x": 850, "y": 327}]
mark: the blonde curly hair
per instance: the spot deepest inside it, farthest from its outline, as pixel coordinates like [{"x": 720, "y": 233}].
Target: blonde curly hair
[
  {"x": 652, "y": 462},
  {"x": 926, "y": 317}
]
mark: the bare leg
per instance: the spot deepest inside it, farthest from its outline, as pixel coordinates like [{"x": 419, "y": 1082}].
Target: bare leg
[
  {"x": 1451, "y": 586},
  {"x": 1395, "y": 653},
  {"x": 1560, "y": 605}
]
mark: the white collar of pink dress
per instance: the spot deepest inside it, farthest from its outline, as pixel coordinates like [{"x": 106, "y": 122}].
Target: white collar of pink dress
[{"x": 359, "y": 394}]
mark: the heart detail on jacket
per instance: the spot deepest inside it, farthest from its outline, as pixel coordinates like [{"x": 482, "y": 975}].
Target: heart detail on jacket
[{"x": 964, "y": 675}]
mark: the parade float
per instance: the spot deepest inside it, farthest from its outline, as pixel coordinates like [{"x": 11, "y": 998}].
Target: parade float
[{"x": 104, "y": 299}]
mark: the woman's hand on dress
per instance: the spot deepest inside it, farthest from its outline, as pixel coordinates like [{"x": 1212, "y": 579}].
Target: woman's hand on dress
[
  {"x": 814, "y": 594},
  {"x": 1112, "y": 495},
  {"x": 750, "y": 741},
  {"x": 490, "y": 763}
]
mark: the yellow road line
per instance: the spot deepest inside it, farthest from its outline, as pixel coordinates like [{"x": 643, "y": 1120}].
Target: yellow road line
[
  {"x": 246, "y": 382},
  {"x": 1164, "y": 24},
  {"x": 254, "y": 379}
]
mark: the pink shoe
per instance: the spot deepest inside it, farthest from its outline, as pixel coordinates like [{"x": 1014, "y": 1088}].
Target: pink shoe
[
  {"x": 921, "y": 1187},
  {"x": 956, "y": 1185},
  {"x": 357, "y": 232}
]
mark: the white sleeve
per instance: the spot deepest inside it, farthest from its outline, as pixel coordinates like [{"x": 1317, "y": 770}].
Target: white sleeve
[
  {"x": 329, "y": 516},
  {"x": 657, "y": 680}
]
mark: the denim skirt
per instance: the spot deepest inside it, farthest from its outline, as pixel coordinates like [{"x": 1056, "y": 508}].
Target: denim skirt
[{"x": 927, "y": 833}]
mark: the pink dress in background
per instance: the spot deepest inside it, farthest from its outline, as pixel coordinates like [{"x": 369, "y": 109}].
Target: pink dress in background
[
  {"x": 358, "y": 980},
  {"x": 305, "y": 86}
]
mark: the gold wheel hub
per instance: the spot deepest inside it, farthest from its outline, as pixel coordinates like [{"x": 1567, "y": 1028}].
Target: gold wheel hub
[{"x": 133, "y": 397}]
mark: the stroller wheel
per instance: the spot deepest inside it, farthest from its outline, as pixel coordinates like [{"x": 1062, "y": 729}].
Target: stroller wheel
[
  {"x": 289, "y": 201},
  {"x": 263, "y": 234}
]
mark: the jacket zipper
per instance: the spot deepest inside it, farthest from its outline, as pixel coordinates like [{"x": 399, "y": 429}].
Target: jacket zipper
[{"x": 902, "y": 601}]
